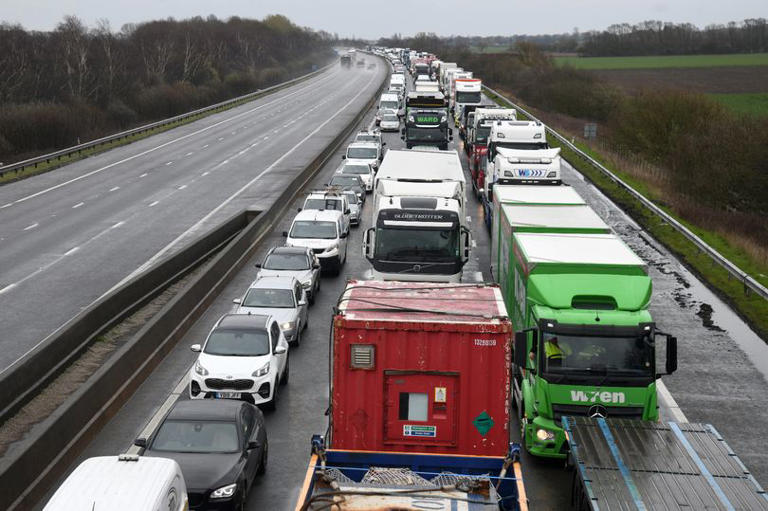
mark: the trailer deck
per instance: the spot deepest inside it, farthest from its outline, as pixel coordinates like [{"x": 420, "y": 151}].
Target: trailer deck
[{"x": 628, "y": 464}]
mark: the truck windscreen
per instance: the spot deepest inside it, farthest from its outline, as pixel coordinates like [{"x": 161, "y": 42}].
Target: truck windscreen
[
  {"x": 601, "y": 357},
  {"x": 414, "y": 244},
  {"x": 481, "y": 134},
  {"x": 467, "y": 97}
]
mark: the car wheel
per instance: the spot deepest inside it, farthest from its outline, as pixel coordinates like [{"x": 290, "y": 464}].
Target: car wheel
[
  {"x": 264, "y": 458},
  {"x": 272, "y": 404},
  {"x": 286, "y": 371},
  {"x": 240, "y": 506},
  {"x": 306, "y": 323},
  {"x": 296, "y": 342},
  {"x": 312, "y": 298}
]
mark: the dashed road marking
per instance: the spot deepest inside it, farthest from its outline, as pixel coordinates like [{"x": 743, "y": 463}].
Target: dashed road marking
[
  {"x": 7, "y": 205},
  {"x": 190, "y": 153},
  {"x": 118, "y": 224},
  {"x": 114, "y": 188},
  {"x": 168, "y": 163},
  {"x": 29, "y": 227},
  {"x": 182, "y": 187},
  {"x": 71, "y": 251},
  {"x": 221, "y": 138},
  {"x": 144, "y": 174},
  {"x": 7, "y": 288},
  {"x": 206, "y": 145},
  {"x": 78, "y": 205},
  {"x": 205, "y": 173},
  {"x": 153, "y": 204}
]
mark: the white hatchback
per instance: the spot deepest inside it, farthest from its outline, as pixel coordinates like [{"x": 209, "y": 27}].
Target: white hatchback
[{"x": 244, "y": 357}]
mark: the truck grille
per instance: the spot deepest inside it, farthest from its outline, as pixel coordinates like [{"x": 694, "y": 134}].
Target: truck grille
[
  {"x": 624, "y": 412},
  {"x": 219, "y": 384}
]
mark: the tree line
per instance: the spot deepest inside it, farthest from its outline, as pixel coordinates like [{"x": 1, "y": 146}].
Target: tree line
[
  {"x": 77, "y": 82},
  {"x": 623, "y": 39}
]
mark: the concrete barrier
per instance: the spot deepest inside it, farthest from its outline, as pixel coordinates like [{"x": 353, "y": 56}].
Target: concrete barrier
[{"x": 33, "y": 464}]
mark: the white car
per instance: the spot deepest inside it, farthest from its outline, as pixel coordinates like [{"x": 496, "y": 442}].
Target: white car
[
  {"x": 370, "y": 136},
  {"x": 328, "y": 200},
  {"x": 244, "y": 357},
  {"x": 370, "y": 152},
  {"x": 323, "y": 232},
  {"x": 360, "y": 168},
  {"x": 284, "y": 299},
  {"x": 390, "y": 122}
]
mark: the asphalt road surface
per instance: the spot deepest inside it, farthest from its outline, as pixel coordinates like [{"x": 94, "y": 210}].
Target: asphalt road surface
[
  {"x": 717, "y": 362},
  {"x": 69, "y": 236}
]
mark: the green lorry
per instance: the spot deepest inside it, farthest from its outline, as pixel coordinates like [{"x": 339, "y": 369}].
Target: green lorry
[{"x": 585, "y": 342}]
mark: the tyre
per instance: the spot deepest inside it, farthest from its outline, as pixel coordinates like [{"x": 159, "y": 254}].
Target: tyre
[
  {"x": 240, "y": 506},
  {"x": 272, "y": 404},
  {"x": 264, "y": 459},
  {"x": 296, "y": 342},
  {"x": 286, "y": 372}
]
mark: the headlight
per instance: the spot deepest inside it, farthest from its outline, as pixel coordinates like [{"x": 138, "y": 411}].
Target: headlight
[
  {"x": 224, "y": 492},
  {"x": 544, "y": 435},
  {"x": 552, "y": 173},
  {"x": 199, "y": 369},
  {"x": 411, "y": 119},
  {"x": 307, "y": 284},
  {"x": 258, "y": 372},
  {"x": 288, "y": 325}
]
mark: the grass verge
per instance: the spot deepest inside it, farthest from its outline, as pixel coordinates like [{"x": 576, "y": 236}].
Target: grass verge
[
  {"x": 665, "y": 61},
  {"x": 54, "y": 163},
  {"x": 750, "y": 306}
]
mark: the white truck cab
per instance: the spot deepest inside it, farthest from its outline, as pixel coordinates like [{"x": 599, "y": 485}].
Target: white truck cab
[
  {"x": 539, "y": 166},
  {"x": 125, "y": 482}
]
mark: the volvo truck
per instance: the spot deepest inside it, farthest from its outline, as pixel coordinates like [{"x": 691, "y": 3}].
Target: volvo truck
[{"x": 420, "y": 231}]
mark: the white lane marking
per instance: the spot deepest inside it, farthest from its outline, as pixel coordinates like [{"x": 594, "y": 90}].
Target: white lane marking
[
  {"x": 218, "y": 208},
  {"x": 224, "y": 162},
  {"x": 221, "y": 138},
  {"x": 478, "y": 276},
  {"x": 310, "y": 86},
  {"x": 29, "y": 227},
  {"x": 7, "y": 288},
  {"x": 474, "y": 244},
  {"x": 153, "y": 204},
  {"x": 78, "y": 205},
  {"x": 7, "y": 205},
  {"x": 182, "y": 187},
  {"x": 266, "y": 137},
  {"x": 71, "y": 251},
  {"x": 143, "y": 175},
  {"x": 118, "y": 224},
  {"x": 154, "y": 421},
  {"x": 205, "y": 173},
  {"x": 234, "y": 133},
  {"x": 669, "y": 403},
  {"x": 169, "y": 163},
  {"x": 190, "y": 153},
  {"x": 114, "y": 188}
]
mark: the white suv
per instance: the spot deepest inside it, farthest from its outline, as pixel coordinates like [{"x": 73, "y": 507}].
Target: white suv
[
  {"x": 244, "y": 357},
  {"x": 325, "y": 200},
  {"x": 324, "y": 233}
]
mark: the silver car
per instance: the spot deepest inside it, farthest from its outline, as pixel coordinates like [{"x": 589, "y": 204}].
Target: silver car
[
  {"x": 355, "y": 207},
  {"x": 298, "y": 262},
  {"x": 283, "y": 298}
]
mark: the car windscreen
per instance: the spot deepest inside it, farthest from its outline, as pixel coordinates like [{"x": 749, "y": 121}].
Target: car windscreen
[
  {"x": 481, "y": 134},
  {"x": 390, "y": 118},
  {"x": 286, "y": 262},
  {"x": 392, "y": 105},
  {"x": 314, "y": 230},
  {"x": 356, "y": 169},
  {"x": 352, "y": 198},
  {"x": 196, "y": 436},
  {"x": 362, "y": 153},
  {"x": 367, "y": 138},
  {"x": 263, "y": 297},
  {"x": 237, "y": 343},
  {"x": 316, "y": 203}
]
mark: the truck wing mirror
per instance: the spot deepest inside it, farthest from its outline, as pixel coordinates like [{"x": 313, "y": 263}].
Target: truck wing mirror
[
  {"x": 467, "y": 238},
  {"x": 369, "y": 238},
  {"x": 671, "y": 354},
  {"x": 521, "y": 350}
]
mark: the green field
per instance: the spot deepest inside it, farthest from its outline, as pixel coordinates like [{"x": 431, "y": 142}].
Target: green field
[
  {"x": 748, "y": 103},
  {"x": 655, "y": 62}
]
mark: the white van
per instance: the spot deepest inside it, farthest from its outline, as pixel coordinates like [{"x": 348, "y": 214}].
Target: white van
[
  {"x": 389, "y": 102},
  {"x": 324, "y": 233},
  {"x": 125, "y": 482}
]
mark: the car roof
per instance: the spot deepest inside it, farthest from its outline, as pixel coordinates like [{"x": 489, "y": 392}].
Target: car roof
[
  {"x": 289, "y": 250},
  {"x": 326, "y": 215},
  {"x": 274, "y": 282},
  {"x": 206, "y": 409},
  {"x": 244, "y": 321},
  {"x": 356, "y": 161}
]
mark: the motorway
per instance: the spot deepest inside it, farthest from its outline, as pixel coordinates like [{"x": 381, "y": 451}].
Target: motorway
[
  {"x": 69, "y": 236},
  {"x": 719, "y": 379}
]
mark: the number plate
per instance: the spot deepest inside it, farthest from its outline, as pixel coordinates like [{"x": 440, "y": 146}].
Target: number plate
[{"x": 227, "y": 395}]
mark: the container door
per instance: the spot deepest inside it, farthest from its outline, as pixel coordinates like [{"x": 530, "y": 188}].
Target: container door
[{"x": 420, "y": 408}]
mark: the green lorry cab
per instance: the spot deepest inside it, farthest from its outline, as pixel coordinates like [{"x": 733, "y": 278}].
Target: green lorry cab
[{"x": 585, "y": 342}]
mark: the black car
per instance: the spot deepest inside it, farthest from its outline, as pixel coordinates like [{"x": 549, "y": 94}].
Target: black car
[
  {"x": 220, "y": 445},
  {"x": 349, "y": 182}
]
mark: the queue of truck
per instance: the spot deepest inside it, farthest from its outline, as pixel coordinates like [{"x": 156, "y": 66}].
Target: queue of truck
[{"x": 428, "y": 370}]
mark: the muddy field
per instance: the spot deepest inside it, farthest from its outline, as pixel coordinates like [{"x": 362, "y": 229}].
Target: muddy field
[{"x": 705, "y": 79}]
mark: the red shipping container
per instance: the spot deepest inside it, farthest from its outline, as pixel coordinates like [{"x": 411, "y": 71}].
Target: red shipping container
[{"x": 422, "y": 367}]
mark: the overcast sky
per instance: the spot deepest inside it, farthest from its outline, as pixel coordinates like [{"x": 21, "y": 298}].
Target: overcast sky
[{"x": 373, "y": 19}]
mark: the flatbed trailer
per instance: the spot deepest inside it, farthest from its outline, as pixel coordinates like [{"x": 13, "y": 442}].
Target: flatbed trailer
[
  {"x": 623, "y": 464},
  {"x": 342, "y": 480}
]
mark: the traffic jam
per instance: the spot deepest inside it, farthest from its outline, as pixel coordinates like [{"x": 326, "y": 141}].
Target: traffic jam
[{"x": 433, "y": 369}]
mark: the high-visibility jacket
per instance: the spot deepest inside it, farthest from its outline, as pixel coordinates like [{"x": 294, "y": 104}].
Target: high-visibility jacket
[{"x": 555, "y": 350}]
